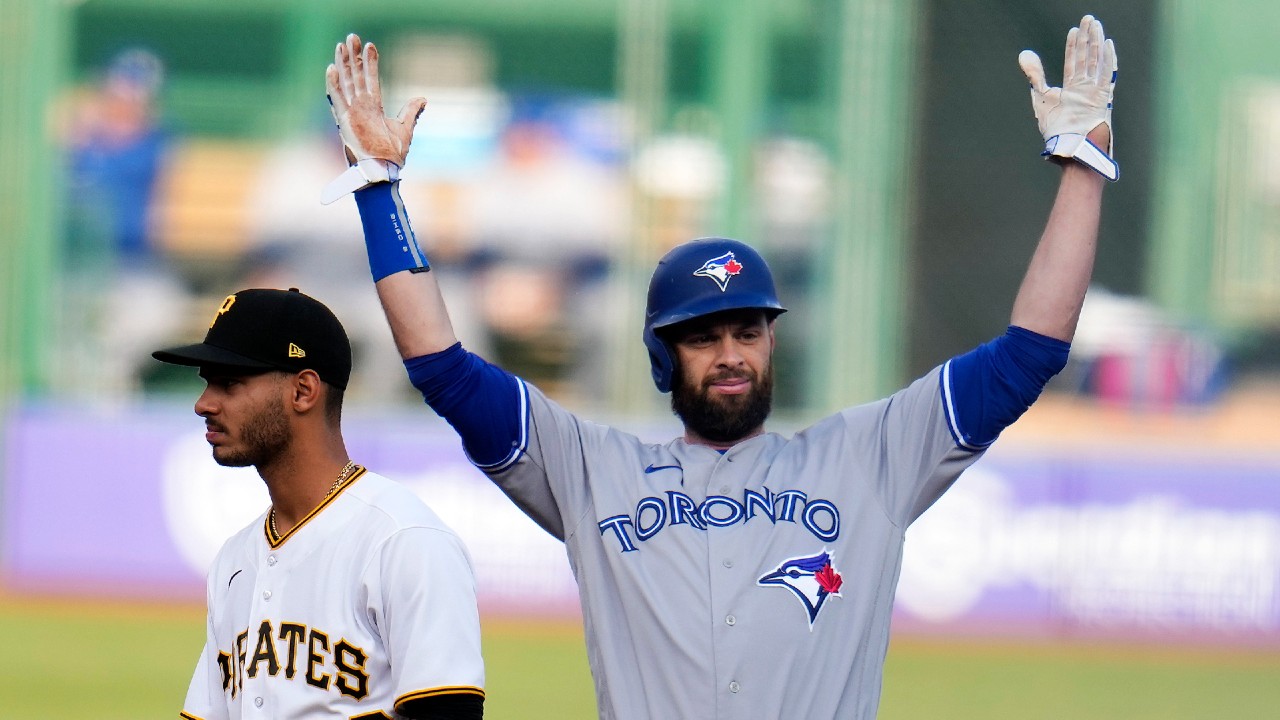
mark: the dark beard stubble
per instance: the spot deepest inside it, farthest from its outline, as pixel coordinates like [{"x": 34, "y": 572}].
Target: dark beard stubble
[
  {"x": 726, "y": 418},
  {"x": 264, "y": 437}
]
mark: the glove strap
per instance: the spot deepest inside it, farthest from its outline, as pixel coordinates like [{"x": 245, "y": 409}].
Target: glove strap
[
  {"x": 359, "y": 176},
  {"x": 1082, "y": 150}
]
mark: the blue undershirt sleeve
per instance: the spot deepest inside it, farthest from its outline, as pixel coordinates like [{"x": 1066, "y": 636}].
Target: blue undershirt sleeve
[
  {"x": 486, "y": 405},
  {"x": 989, "y": 387}
]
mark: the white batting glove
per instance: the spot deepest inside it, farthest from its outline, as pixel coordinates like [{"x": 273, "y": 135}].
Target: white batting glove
[
  {"x": 1067, "y": 114},
  {"x": 376, "y": 145}
]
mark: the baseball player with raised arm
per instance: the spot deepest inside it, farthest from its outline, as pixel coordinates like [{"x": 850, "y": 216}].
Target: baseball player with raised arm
[
  {"x": 733, "y": 572},
  {"x": 348, "y": 597}
]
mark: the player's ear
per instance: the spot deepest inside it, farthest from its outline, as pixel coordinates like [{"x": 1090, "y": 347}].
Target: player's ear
[{"x": 306, "y": 391}]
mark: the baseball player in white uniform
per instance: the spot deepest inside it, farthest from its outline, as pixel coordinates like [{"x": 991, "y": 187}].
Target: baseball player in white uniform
[
  {"x": 733, "y": 572},
  {"x": 348, "y": 597}
]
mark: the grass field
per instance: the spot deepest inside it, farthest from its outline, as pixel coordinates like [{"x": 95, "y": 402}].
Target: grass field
[{"x": 112, "y": 661}]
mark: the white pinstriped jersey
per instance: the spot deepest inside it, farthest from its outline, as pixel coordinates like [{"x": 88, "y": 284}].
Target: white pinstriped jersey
[
  {"x": 367, "y": 604},
  {"x": 757, "y": 583}
]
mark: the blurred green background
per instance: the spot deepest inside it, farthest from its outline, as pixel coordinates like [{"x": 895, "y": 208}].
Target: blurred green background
[{"x": 882, "y": 155}]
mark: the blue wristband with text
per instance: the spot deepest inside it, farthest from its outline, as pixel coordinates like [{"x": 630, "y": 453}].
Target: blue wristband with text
[{"x": 388, "y": 237}]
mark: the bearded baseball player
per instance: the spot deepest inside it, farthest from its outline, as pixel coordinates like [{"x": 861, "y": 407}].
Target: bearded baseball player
[
  {"x": 348, "y": 597},
  {"x": 732, "y": 572}
]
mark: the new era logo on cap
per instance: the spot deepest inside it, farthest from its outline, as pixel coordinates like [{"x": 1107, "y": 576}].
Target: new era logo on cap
[{"x": 252, "y": 327}]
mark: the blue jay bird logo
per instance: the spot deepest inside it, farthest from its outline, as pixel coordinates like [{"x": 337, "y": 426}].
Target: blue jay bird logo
[
  {"x": 812, "y": 578},
  {"x": 720, "y": 269}
]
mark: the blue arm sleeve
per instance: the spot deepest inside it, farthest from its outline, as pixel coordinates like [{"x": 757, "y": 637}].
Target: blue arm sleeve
[
  {"x": 485, "y": 404},
  {"x": 986, "y": 389}
]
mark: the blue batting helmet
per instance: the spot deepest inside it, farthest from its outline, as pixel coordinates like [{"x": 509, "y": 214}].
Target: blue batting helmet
[{"x": 698, "y": 278}]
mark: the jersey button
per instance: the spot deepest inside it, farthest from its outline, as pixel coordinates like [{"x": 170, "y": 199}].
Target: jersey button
[
  {"x": 727, "y": 563},
  {"x": 257, "y": 702},
  {"x": 734, "y": 686},
  {"x": 266, "y": 594},
  {"x": 730, "y": 620},
  {"x": 271, "y": 560}
]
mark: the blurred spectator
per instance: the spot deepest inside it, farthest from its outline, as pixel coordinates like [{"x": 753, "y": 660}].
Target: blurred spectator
[
  {"x": 115, "y": 152},
  {"x": 524, "y": 203},
  {"x": 122, "y": 297},
  {"x": 544, "y": 220}
]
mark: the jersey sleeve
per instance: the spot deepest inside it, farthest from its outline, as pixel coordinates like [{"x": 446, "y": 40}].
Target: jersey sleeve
[
  {"x": 930, "y": 431},
  {"x": 908, "y": 447},
  {"x": 205, "y": 698},
  {"x": 422, "y": 596},
  {"x": 548, "y": 480}
]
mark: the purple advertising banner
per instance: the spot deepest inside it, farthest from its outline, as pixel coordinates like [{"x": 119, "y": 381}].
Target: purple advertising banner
[
  {"x": 1182, "y": 545},
  {"x": 1030, "y": 541},
  {"x": 132, "y": 504}
]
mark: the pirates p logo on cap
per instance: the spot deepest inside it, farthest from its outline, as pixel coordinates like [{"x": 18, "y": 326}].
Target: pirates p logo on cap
[{"x": 222, "y": 309}]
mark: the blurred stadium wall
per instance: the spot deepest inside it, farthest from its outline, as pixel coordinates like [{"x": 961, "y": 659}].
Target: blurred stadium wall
[{"x": 1041, "y": 539}]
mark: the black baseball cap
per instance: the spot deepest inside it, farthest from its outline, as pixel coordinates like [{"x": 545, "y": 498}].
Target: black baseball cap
[{"x": 261, "y": 330}]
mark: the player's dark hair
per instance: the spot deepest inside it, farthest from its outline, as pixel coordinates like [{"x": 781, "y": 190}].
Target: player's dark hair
[
  {"x": 332, "y": 398},
  {"x": 333, "y": 404}
]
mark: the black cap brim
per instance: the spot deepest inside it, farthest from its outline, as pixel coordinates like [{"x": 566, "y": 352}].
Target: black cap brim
[{"x": 202, "y": 354}]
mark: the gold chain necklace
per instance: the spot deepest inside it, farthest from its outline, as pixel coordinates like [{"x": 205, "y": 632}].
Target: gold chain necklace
[{"x": 346, "y": 471}]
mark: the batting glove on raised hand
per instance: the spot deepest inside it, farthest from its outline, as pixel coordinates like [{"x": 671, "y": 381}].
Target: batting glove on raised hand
[
  {"x": 376, "y": 145},
  {"x": 1067, "y": 114}
]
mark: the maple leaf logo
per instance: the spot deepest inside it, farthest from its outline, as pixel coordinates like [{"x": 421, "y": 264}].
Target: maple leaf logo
[
  {"x": 829, "y": 580},
  {"x": 733, "y": 267}
]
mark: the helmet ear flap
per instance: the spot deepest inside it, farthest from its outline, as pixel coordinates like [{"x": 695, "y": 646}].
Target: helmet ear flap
[{"x": 661, "y": 363}]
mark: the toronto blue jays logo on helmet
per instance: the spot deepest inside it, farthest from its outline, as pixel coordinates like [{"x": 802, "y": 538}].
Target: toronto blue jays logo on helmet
[
  {"x": 812, "y": 579},
  {"x": 720, "y": 269}
]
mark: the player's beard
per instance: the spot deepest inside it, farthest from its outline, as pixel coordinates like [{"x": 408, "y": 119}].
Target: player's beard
[
  {"x": 263, "y": 437},
  {"x": 724, "y": 418}
]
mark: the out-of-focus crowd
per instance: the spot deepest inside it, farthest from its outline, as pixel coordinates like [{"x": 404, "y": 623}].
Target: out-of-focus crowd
[{"x": 523, "y": 202}]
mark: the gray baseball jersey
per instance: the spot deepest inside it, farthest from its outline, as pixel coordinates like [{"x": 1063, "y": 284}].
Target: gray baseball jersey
[
  {"x": 368, "y": 604},
  {"x": 757, "y": 583}
]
